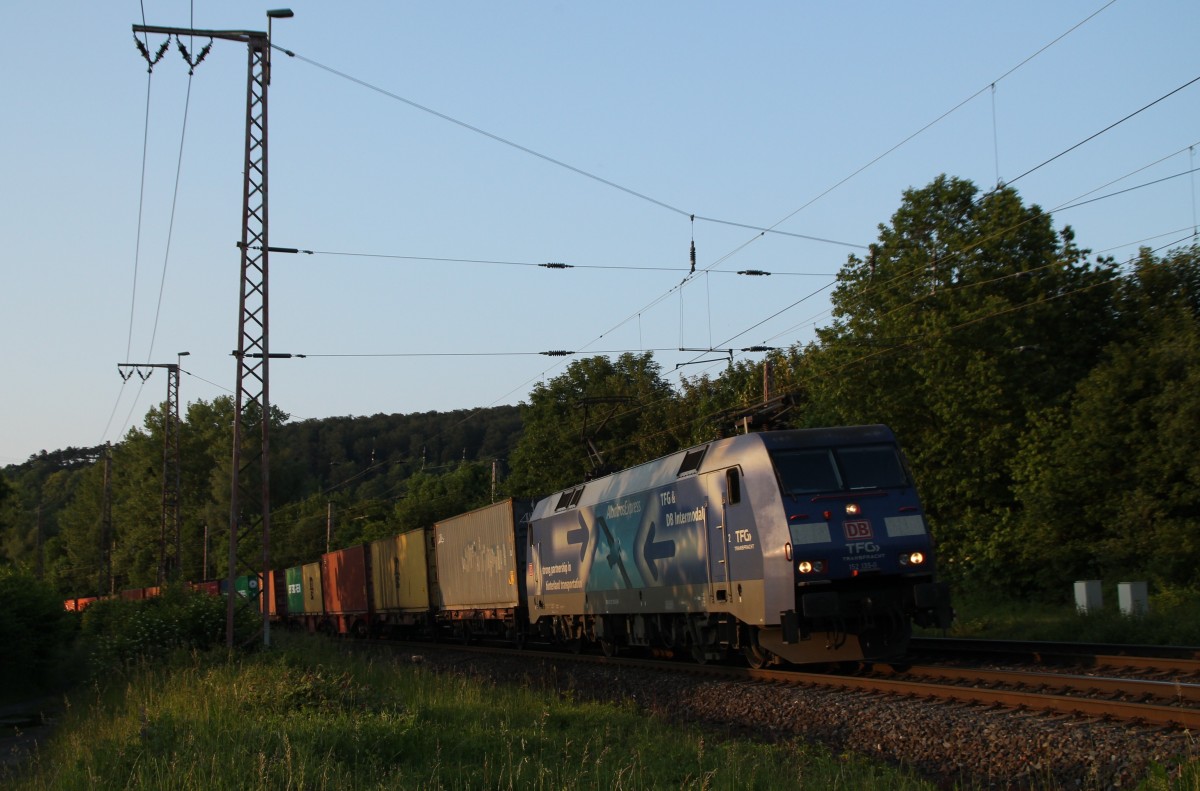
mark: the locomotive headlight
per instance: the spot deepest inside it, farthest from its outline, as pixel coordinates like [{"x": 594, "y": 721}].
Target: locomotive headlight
[
  {"x": 804, "y": 567},
  {"x": 852, "y": 509},
  {"x": 912, "y": 559}
]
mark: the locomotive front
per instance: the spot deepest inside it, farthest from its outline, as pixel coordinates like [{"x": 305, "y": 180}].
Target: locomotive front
[{"x": 858, "y": 558}]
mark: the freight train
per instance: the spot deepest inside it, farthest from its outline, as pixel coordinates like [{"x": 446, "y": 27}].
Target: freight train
[{"x": 804, "y": 546}]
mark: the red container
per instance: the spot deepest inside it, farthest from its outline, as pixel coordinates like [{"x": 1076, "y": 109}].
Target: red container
[
  {"x": 211, "y": 587},
  {"x": 133, "y": 594},
  {"x": 346, "y": 588}
]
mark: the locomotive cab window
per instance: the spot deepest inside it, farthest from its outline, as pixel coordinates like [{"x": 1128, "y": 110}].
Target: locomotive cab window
[
  {"x": 809, "y": 471},
  {"x": 733, "y": 485},
  {"x": 820, "y": 470},
  {"x": 871, "y": 467}
]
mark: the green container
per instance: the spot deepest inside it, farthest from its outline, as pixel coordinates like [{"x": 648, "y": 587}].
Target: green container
[{"x": 295, "y": 589}]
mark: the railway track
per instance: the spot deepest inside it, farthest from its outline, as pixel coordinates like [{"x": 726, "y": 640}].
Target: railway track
[
  {"x": 1151, "y": 702},
  {"x": 1174, "y": 661}
]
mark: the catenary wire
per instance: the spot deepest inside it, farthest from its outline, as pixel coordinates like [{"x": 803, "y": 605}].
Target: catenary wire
[{"x": 550, "y": 159}]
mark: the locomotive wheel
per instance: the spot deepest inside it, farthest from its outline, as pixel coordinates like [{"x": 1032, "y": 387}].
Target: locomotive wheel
[{"x": 757, "y": 657}]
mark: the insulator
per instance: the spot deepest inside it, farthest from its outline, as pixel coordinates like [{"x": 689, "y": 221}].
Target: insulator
[
  {"x": 755, "y": 272},
  {"x": 693, "y": 255},
  {"x": 557, "y": 265},
  {"x": 558, "y": 353},
  {"x": 145, "y": 54}
]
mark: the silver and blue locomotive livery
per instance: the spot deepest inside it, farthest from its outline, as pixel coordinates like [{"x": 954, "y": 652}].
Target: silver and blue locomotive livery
[{"x": 806, "y": 545}]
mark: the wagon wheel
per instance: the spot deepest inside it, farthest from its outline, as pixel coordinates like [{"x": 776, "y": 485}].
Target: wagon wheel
[
  {"x": 465, "y": 633},
  {"x": 608, "y": 647}
]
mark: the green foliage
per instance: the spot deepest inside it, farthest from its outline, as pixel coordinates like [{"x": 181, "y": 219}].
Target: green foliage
[
  {"x": 1109, "y": 483},
  {"x": 309, "y": 716},
  {"x": 433, "y": 497},
  {"x": 600, "y": 416},
  {"x": 119, "y": 634},
  {"x": 35, "y": 632},
  {"x": 359, "y": 466}
]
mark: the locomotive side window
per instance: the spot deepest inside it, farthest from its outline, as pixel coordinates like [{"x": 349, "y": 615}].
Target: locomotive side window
[
  {"x": 570, "y": 498},
  {"x": 733, "y": 484},
  {"x": 871, "y": 467},
  {"x": 691, "y": 461}
]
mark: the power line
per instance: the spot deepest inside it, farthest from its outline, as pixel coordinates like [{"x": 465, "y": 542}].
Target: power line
[
  {"x": 1106, "y": 129},
  {"x": 552, "y": 160},
  {"x": 554, "y": 265}
]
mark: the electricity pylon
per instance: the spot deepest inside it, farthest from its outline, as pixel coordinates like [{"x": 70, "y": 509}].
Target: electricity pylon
[
  {"x": 169, "y": 558},
  {"x": 251, "y": 464}
]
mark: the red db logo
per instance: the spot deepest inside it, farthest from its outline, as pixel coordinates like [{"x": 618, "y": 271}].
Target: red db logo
[{"x": 858, "y": 531}]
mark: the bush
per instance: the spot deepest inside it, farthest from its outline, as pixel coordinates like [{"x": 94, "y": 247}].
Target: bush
[
  {"x": 119, "y": 633},
  {"x": 35, "y": 633}
]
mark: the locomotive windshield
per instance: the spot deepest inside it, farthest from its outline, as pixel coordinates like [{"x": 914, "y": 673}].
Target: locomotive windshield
[{"x": 820, "y": 470}]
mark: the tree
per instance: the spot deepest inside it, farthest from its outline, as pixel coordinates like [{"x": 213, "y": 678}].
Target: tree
[
  {"x": 969, "y": 315},
  {"x": 433, "y": 497},
  {"x": 598, "y": 416},
  {"x": 1111, "y": 482}
]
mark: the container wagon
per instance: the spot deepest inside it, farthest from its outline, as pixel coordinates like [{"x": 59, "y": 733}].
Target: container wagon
[
  {"x": 400, "y": 585},
  {"x": 479, "y": 557},
  {"x": 346, "y": 587}
]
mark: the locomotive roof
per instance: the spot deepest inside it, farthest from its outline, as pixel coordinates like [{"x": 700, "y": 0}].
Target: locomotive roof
[{"x": 743, "y": 449}]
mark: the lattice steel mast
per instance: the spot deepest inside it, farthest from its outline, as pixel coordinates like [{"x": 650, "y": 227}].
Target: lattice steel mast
[
  {"x": 169, "y": 557},
  {"x": 251, "y": 464}
]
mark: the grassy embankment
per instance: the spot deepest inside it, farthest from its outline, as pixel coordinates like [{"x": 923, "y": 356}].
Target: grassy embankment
[
  {"x": 308, "y": 715},
  {"x": 1173, "y": 619}
]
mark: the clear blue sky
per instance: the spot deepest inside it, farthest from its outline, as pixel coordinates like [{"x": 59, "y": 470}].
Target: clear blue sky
[{"x": 764, "y": 114}]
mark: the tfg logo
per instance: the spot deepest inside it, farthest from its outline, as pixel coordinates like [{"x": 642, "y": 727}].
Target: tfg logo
[{"x": 858, "y": 530}]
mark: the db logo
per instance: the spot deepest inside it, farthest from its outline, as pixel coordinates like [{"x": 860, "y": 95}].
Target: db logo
[{"x": 857, "y": 531}]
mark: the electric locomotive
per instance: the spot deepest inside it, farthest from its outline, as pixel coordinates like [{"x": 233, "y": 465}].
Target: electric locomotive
[{"x": 803, "y": 545}]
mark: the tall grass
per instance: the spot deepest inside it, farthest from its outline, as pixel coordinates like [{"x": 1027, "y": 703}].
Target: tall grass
[{"x": 307, "y": 716}]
